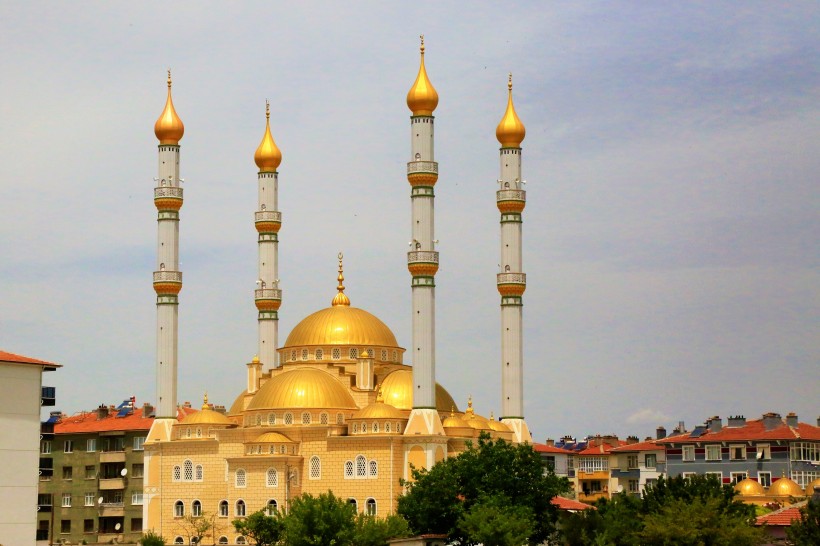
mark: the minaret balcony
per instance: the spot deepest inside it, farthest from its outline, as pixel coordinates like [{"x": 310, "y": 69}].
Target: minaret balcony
[
  {"x": 422, "y": 262},
  {"x": 511, "y": 284},
  {"x": 511, "y": 200},
  {"x": 167, "y": 283},
  {"x": 168, "y": 198},
  {"x": 268, "y": 299},
  {"x": 268, "y": 221},
  {"x": 422, "y": 173},
  {"x": 168, "y": 191}
]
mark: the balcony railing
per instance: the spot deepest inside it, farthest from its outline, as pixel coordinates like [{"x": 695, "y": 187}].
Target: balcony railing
[
  {"x": 167, "y": 276},
  {"x": 511, "y": 278},
  {"x": 422, "y": 256},
  {"x": 511, "y": 195},
  {"x": 112, "y": 457},
  {"x": 267, "y": 294},
  {"x": 112, "y": 484},
  {"x": 267, "y": 216},
  {"x": 168, "y": 191},
  {"x": 422, "y": 167}
]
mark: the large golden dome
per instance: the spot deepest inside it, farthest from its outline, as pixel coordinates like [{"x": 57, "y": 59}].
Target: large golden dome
[
  {"x": 748, "y": 488},
  {"x": 302, "y": 388},
  {"x": 784, "y": 487},
  {"x": 397, "y": 389}
]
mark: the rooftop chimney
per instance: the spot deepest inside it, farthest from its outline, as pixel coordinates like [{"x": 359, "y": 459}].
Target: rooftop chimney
[
  {"x": 550, "y": 442},
  {"x": 771, "y": 420},
  {"x": 736, "y": 421},
  {"x": 791, "y": 420},
  {"x": 632, "y": 440},
  {"x": 102, "y": 411},
  {"x": 714, "y": 424},
  {"x": 147, "y": 410},
  {"x": 660, "y": 432}
]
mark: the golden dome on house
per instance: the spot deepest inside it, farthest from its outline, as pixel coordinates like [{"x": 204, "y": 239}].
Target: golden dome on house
[
  {"x": 397, "y": 389},
  {"x": 267, "y": 156},
  {"x": 422, "y": 98},
  {"x": 302, "y": 388},
  {"x": 785, "y": 487},
  {"x": 749, "y": 488},
  {"x": 168, "y": 127},
  {"x": 510, "y": 131},
  {"x": 810, "y": 487}
]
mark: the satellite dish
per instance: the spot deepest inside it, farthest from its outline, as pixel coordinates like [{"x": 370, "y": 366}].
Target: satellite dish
[
  {"x": 123, "y": 472},
  {"x": 117, "y": 527},
  {"x": 99, "y": 500},
  {"x": 620, "y": 489}
]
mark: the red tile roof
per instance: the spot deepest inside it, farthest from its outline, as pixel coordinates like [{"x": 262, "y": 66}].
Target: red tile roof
[
  {"x": 564, "y": 503},
  {"x": 602, "y": 449},
  {"x": 752, "y": 430},
  {"x": 544, "y": 448},
  {"x": 783, "y": 517},
  {"x": 87, "y": 422},
  {"x": 650, "y": 445},
  {"x": 20, "y": 359}
]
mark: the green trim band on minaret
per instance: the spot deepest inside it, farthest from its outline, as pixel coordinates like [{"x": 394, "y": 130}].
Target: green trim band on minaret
[
  {"x": 269, "y": 237},
  {"x": 268, "y": 315},
  {"x": 511, "y": 218}
]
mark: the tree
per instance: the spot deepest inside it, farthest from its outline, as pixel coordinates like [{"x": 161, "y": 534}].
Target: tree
[
  {"x": 806, "y": 530},
  {"x": 263, "y": 529},
  {"x": 375, "y": 531},
  {"x": 697, "y": 522},
  {"x": 495, "y": 521},
  {"x": 195, "y": 528},
  {"x": 325, "y": 520},
  {"x": 440, "y": 498}
]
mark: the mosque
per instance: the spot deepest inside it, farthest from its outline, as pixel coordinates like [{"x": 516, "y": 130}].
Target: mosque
[{"x": 337, "y": 406}]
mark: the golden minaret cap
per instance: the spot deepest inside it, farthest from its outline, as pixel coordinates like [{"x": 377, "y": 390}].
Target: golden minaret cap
[
  {"x": 341, "y": 298},
  {"x": 205, "y": 401},
  {"x": 422, "y": 98},
  {"x": 267, "y": 156},
  {"x": 510, "y": 131},
  {"x": 169, "y": 128}
]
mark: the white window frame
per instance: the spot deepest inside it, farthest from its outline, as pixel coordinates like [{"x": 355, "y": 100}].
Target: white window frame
[
  {"x": 764, "y": 452},
  {"x": 315, "y": 468},
  {"x": 275, "y": 507},
  {"x": 372, "y": 469},
  {"x": 187, "y": 471},
  {"x": 240, "y": 478},
  {"x": 223, "y": 504},
  {"x": 139, "y": 443},
  {"x": 91, "y": 445},
  {"x": 733, "y": 447},
  {"x": 712, "y": 447},
  {"x": 718, "y": 475},
  {"x": 349, "y": 470},
  {"x": 685, "y": 475},
  {"x": 805, "y": 451},
  {"x": 271, "y": 478},
  {"x": 733, "y": 477},
  {"x": 68, "y": 446},
  {"x": 768, "y": 479},
  {"x": 370, "y": 507},
  {"x": 179, "y": 509},
  {"x": 45, "y": 447},
  {"x": 633, "y": 486},
  {"x": 196, "y": 509},
  {"x": 66, "y": 502},
  {"x": 688, "y": 454},
  {"x": 136, "y": 498},
  {"x": 632, "y": 461},
  {"x": 237, "y": 512},
  {"x": 176, "y": 473},
  {"x": 653, "y": 457},
  {"x": 89, "y": 498},
  {"x": 361, "y": 466},
  {"x": 355, "y": 504}
]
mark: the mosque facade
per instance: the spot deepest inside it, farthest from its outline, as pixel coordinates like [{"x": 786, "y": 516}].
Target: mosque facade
[{"x": 337, "y": 406}]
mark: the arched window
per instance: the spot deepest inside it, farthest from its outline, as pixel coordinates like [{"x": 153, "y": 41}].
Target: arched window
[
  {"x": 323, "y": 420},
  {"x": 395, "y": 356},
  {"x": 319, "y": 354},
  {"x": 294, "y": 477},
  {"x": 198, "y": 473},
  {"x": 293, "y": 355},
  {"x": 387, "y": 427},
  {"x": 189, "y": 470},
  {"x": 288, "y": 418},
  {"x": 373, "y": 469},
  {"x": 179, "y": 509},
  {"x": 361, "y": 467},
  {"x": 354, "y": 353},
  {"x": 384, "y": 355},
  {"x": 370, "y": 507},
  {"x": 375, "y": 427},
  {"x": 188, "y": 432},
  {"x": 340, "y": 419},
  {"x": 306, "y": 418},
  {"x": 355, "y": 504},
  {"x": 223, "y": 540},
  {"x": 196, "y": 509},
  {"x": 199, "y": 432},
  {"x": 240, "y": 508},
  {"x": 179, "y": 540},
  {"x": 223, "y": 509},
  {"x": 337, "y": 353},
  {"x": 272, "y": 507},
  {"x": 348, "y": 469},
  {"x": 315, "y": 468},
  {"x": 258, "y": 419},
  {"x": 177, "y": 475},
  {"x": 240, "y": 540},
  {"x": 272, "y": 419},
  {"x": 272, "y": 478},
  {"x": 282, "y": 449},
  {"x": 355, "y": 428},
  {"x": 240, "y": 478}
]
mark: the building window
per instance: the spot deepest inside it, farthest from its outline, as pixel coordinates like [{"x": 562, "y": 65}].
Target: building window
[
  {"x": 323, "y": 419},
  {"x": 354, "y": 504},
  {"x": 651, "y": 460},
  {"x": 738, "y": 477},
  {"x": 177, "y": 474},
  {"x": 68, "y": 446},
  {"x": 361, "y": 467},
  {"x": 632, "y": 461},
  {"x": 136, "y": 498},
  {"x": 764, "y": 479},
  {"x": 65, "y": 526},
  {"x": 633, "y": 486},
  {"x": 89, "y": 498},
  {"x": 717, "y": 475},
  {"x": 355, "y": 428},
  {"x": 189, "y": 470},
  {"x": 395, "y": 356},
  {"x": 198, "y": 473},
  {"x": 179, "y": 540},
  {"x": 764, "y": 452},
  {"x": 240, "y": 478},
  {"x": 223, "y": 509},
  {"x": 91, "y": 445},
  {"x": 88, "y": 526},
  {"x": 315, "y": 468},
  {"x": 45, "y": 447},
  {"x": 685, "y": 475},
  {"x": 387, "y": 427},
  {"x": 288, "y": 418},
  {"x": 713, "y": 453},
  {"x": 272, "y": 419},
  {"x": 196, "y": 509},
  {"x": 688, "y": 453},
  {"x": 319, "y": 354},
  {"x": 737, "y": 452},
  {"x": 137, "y": 470},
  {"x": 373, "y": 469},
  {"x": 139, "y": 442},
  {"x": 370, "y": 507},
  {"x": 804, "y": 477},
  {"x": 306, "y": 418},
  {"x": 805, "y": 451},
  {"x": 68, "y": 472},
  {"x": 240, "y": 540},
  {"x": 376, "y": 428},
  {"x": 90, "y": 472},
  {"x": 66, "y": 500},
  {"x": 199, "y": 430},
  {"x": 179, "y": 509},
  {"x": 348, "y": 469},
  {"x": 650, "y": 482},
  {"x": 304, "y": 354},
  {"x": 593, "y": 464},
  {"x": 240, "y": 508},
  {"x": 384, "y": 355},
  {"x": 354, "y": 354},
  {"x": 272, "y": 478},
  {"x": 136, "y": 525},
  {"x": 258, "y": 419},
  {"x": 272, "y": 507},
  {"x": 340, "y": 419},
  {"x": 337, "y": 353},
  {"x": 223, "y": 540}
]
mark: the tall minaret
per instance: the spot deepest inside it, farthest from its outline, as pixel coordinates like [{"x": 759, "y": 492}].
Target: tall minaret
[
  {"x": 168, "y": 277},
  {"x": 512, "y": 281},
  {"x": 268, "y": 220},
  {"x": 422, "y": 260}
]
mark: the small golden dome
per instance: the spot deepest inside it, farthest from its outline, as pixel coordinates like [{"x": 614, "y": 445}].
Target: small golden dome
[
  {"x": 273, "y": 438},
  {"x": 454, "y": 421},
  {"x": 397, "y": 388},
  {"x": 811, "y": 486},
  {"x": 169, "y": 128},
  {"x": 302, "y": 388},
  {"x": 238, "y": 405},
  {"x": 379, "y": 410},
  {"x": 473, "y": 419},
  {"x": 255, "y": 360},
  {"x": 785, "y": 487},
  {"x": 510, "y": 131},
  {"x": 206, "y": 416},
  {"x": 340, "y": 298},
  {"x": 422, "y": 98},
  {"x": 497, "y": 426},
  {"x": 748, "y": 488},
  {"x": 267, "y": 156}
]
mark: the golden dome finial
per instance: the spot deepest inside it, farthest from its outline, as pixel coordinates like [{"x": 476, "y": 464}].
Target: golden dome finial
[
  {"x": 452, "y": 411},
  {"x": 469, "y": 411},
  {"x": 205, "y": 401},
  {"x": 422, "y": 98},
  {"x": 421, "y": 47},
  {"x": 492, "y": 416},
  {"x": 267, "y": 156},
  {"x": 255, "y": 359},
  {"x": 510, "y": 131},
  {"x": 341, "y": 298},
  {"x": 168, "y": 127}
]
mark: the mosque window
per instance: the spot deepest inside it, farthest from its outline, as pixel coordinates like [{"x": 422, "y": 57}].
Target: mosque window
[
  {"x": 189, "y": 470},
  {"x": 187, "y": 432},
  {"x": 354, "y": 353},
  {"x": 196, "y": 509},
  {"x": 273, "y": 507},
  {"x": 355, "y": 428},
  {"x": 288, "y": 418},
  {"x": 306, "y": 418},
  {"x": 179, "y": 509},
  {"x": 198, "y": 473},
  {"x": 348, "y": 469},
  {"x": 272, "y": 449},
  {"x": 373, "y": 469},
  {"x": 199, "y": 432},
  {"x": 376, "y": 427},
  {"x": 240, "y": 540},
  {"x": 340, "y": 419},
  {"x": 337, "y": 353},
  {"x": 223, "y": 509},
  {"x": 293, "y": 355},
  {"x": 384, "y": 355},
  {"x": 395, "y": 356},
  {"x": 315, "y": 468},
  {"x": 387, "y": 427},
  {"x": 319, "y": 354},
  {"x": 304, "y": 354},
  {"x": 258, "y": 420},
  {"x": 361, "y": 467},
  {"x": 398, "y": 428},
  {"x": 294, "y": 477},
  {"x": 272, "y": 419},
  {"x": 240, "y": 479},
  {"x": 272, "y": 478},
  {"x": 370, "y": 507},
  {"x": 223, "y": 540},
  {"x": 177, "y": 475},
  {"x": 355, "y": 504},
  {"x": 179, "y": 540},
  {"x": 323, "y": 419},
  {"x": 282, "y": 449},
  {"x": 240, "y": 511}
]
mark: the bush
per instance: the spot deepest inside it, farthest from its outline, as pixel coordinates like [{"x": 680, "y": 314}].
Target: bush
[{"x": 150, "y": 538}]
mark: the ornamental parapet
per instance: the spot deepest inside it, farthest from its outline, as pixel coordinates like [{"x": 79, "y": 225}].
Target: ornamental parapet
[
  {"x": 168, "y": 191},
  {"x": 268, "y": 221},
  {"x": 167, "y": 276},
  {"x": 167, "y": 283},
  {"x": 511, "y": 200},
  {"x": 422, "y": 173},
  {"x": 422, "y": 262},
  {"x": 168, "y": 198},
  {"x": 511, "y": 284},
  {"x": 268, "y": 299}
]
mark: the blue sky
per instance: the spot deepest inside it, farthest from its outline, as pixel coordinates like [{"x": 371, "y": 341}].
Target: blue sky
[{"x": 670, "y": 233}]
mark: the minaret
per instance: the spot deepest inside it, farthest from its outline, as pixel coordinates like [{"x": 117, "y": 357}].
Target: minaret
[
  {"x": 268, "y": 220},
  {"x": 422, "y": 260},
  {"x": 168, "y": 278},
  {"x": 511, "y": 281}
]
